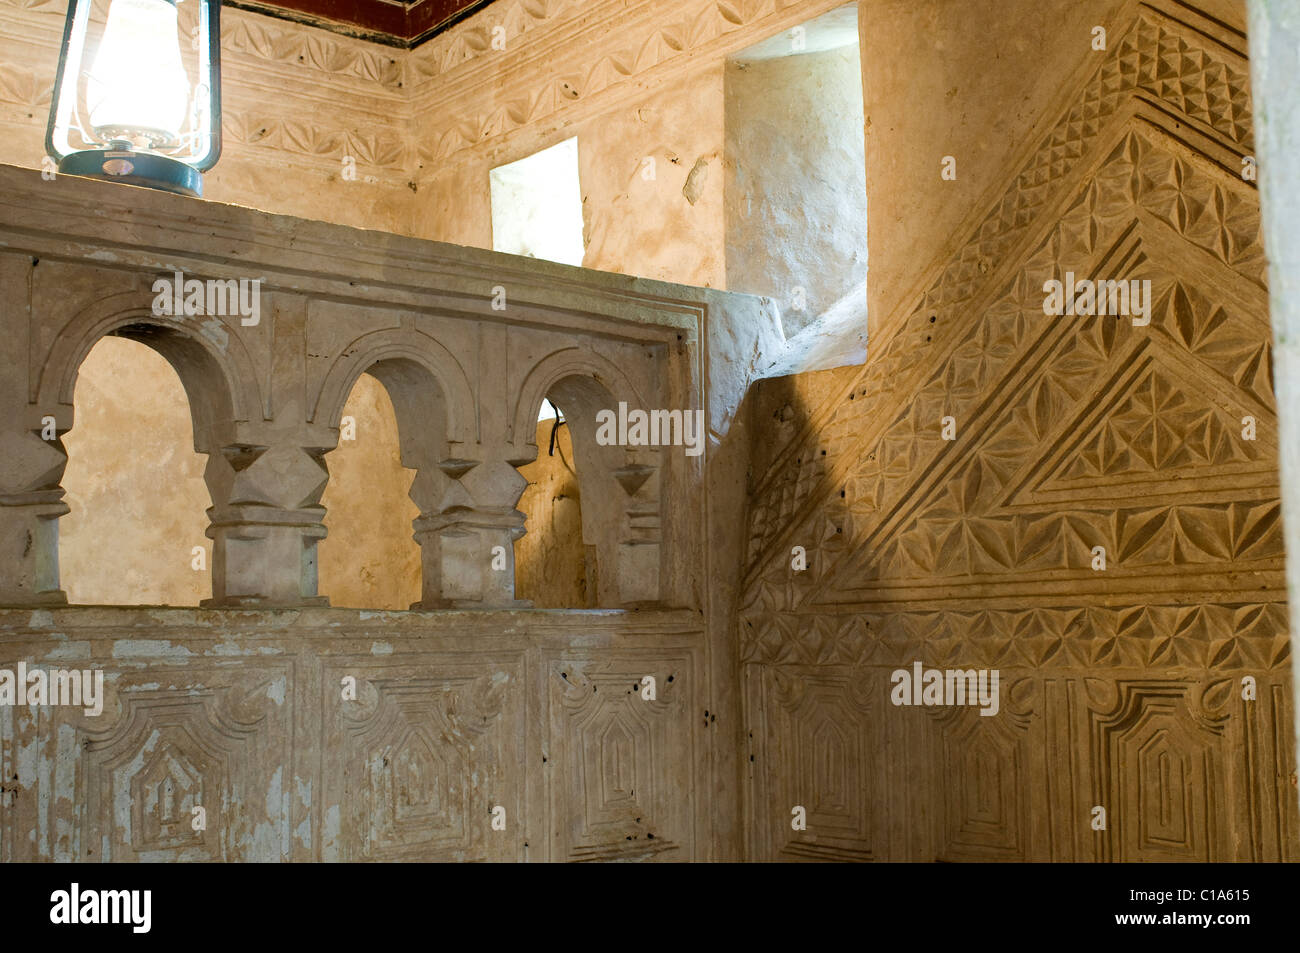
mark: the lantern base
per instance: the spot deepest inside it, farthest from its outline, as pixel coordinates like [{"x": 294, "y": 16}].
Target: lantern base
[{"x": 147, "y": 169}]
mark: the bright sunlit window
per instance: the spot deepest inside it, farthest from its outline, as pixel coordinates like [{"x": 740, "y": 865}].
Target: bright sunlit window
[{"x": 537, "y": 205}]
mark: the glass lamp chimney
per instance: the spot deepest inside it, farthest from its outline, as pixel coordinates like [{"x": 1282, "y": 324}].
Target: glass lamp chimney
[{"x": 137, "y": 87}]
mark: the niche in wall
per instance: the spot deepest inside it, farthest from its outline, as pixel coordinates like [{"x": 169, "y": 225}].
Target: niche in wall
[{"x": 796, "y": 197}]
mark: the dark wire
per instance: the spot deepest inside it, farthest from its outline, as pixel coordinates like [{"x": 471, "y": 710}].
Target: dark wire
[{"x": 554, "y": 427}]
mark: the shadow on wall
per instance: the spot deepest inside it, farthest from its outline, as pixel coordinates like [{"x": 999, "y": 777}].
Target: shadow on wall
[{"x": 1042, "y": 497}]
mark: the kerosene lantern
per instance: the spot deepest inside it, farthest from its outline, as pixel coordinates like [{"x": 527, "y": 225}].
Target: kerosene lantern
[{"x": 134, "y": 113}]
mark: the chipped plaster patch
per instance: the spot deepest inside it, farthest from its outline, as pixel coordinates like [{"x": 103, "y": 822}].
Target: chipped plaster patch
[
  {"x": 149, "y": 648},
  {"x": 276, "y": 690}
]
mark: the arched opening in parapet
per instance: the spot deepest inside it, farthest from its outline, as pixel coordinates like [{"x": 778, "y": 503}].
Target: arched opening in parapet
[
  {"x": 573, "y": 552},
  {"x": 387, "y": 434},
  {"x": 135, "y": 533},
  {"x": 555, "y": 567}
]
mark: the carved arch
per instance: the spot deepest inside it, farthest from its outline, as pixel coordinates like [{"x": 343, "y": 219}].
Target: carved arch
[
  {"x": 219, "y": 379},
  {"x": 400, "y": 348},
  {"x": 572, "y": 362}
]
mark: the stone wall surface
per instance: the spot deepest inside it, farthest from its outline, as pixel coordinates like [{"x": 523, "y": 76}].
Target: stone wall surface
[
  {"x": 1157, "y": 688},
  {"x": 795, "y": 192}
]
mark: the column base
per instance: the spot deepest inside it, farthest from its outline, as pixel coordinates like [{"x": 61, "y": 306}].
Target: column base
[
  {"x": 34, "y": 600},
  {"x": 262, "y": 602},
  {"x": 445, "y": 604}
]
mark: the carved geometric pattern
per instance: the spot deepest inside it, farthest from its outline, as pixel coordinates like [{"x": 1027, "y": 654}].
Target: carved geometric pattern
[
  {"x": 1157, "y": 56},
  {"x": 163, "y": 796},
  {"x": 1021, "y": 785},
  {"x": 622, "y": 792},
  {"x": 288, "y": 477},
  {"x": 816, "y": 755},
  {"x": 472, "y": 106},
  {"x": 1156, "y": 426},
  {"x": 166, "y": 753},
  {"x": 243, "y": 714},
  {"x": 427, "y": 748},
  {"x": 267, "y": 40},
  {"x": 1187, "y": 334},
  {"x": 464, "y": 61},
  {"x": 986, "y": 790},
  {"x": 1073, "y": 432},
  {"x": 1160, "y": 772},
  {"x": 1200, "y": 635},
  {"x": 370, "y": 146},
  {"x": 1204, "y": 347}
]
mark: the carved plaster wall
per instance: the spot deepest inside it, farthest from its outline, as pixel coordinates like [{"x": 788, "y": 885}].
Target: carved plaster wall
[
  {"x": 455, "y": 715},
  {"x": 295, "y": 103},
  {"x": 1122, "y": 688},
  {"x": 1126, "y": 687}
]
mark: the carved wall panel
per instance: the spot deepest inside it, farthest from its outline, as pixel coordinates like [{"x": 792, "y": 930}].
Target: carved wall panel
[
  {"x": 1100, "y": 523},
  {"x": 618, "y": 782},
  {"x": 820, "y": 751},
  {"x": 430, "y": 748},
  {"x": 297, "y": 101},
  {"x": 609, "y": 49},
  {"x": 237, "y": 707},
  {"x": 214, "y": 739},
  {"x": 1158, "y": 757},
  {"x": 487, "y": 736}
]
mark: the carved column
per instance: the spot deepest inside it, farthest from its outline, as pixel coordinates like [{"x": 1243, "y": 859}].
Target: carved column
[
  {"x": 266, "y": 520},
  {"x": 467, "y": 529},
  {"x": 32, "y": 457},
  {"x": 266, "y": 477},
  {"x": 31, "y": 502}
]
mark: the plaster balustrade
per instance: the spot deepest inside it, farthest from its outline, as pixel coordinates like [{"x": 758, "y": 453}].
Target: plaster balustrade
[{"x": 467, "y": 343}]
